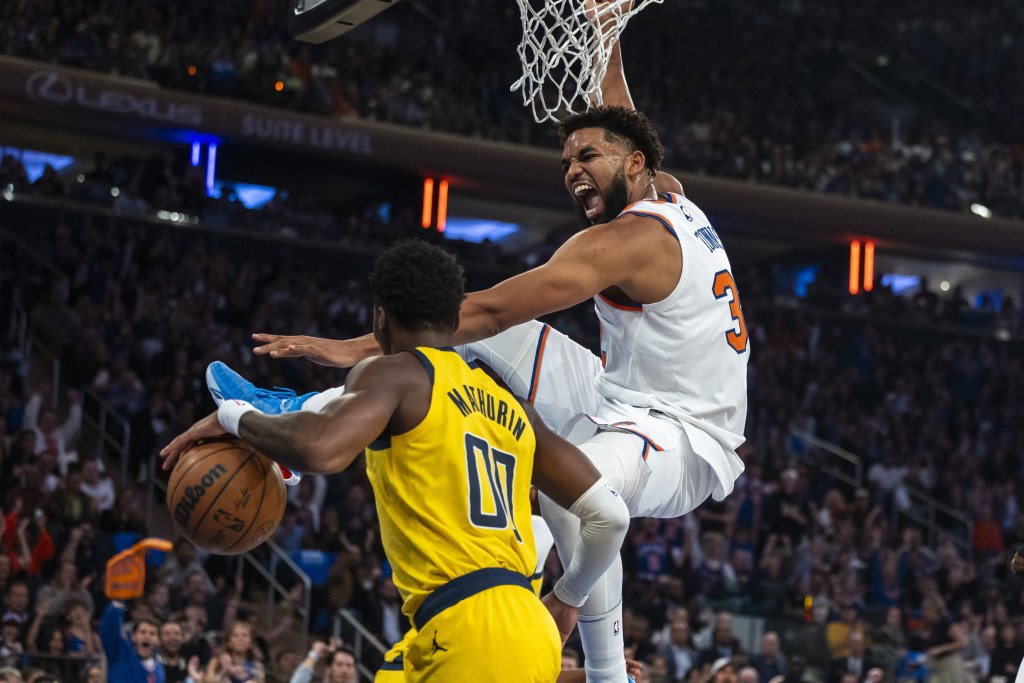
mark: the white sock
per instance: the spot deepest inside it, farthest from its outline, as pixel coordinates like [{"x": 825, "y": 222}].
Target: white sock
[
  {"x": 602, "y": 644},
  {"x": 315, "y": 404}
]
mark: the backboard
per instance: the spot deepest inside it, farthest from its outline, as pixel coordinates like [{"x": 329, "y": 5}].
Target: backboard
[{"x": 317, "y": 21}]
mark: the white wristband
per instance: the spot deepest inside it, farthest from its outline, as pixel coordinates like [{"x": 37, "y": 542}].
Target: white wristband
[{"x": 230, "y": 412}]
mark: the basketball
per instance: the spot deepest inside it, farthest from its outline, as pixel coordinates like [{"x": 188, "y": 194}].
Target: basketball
[{"x": 225, "y": 496}]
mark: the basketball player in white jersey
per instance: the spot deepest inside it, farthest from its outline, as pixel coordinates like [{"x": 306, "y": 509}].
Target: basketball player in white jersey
[{"x": 662, "y": 410}]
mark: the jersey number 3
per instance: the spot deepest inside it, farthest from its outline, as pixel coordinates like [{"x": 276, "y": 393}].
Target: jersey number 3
[
  {"x": 725, "y": 286},
  {"x": 494, "y": 472}
]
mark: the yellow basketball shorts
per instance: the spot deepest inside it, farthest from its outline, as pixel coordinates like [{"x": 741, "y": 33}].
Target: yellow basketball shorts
[
  {"x": 391, "y": 672},
  {"x": 485, "y": 626},
  {"x": 394, "y": 661}
]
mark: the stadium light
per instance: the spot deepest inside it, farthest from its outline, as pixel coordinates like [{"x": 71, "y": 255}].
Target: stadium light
[
  {"x": 981, "y": 210},
  {"x": 442, "y": 205},
  {"x": 855, "y": 267},
  {"x": 428, "y": 202},
  {"x": 869, "y": 266},
  {"x": 211, "y": 167}
]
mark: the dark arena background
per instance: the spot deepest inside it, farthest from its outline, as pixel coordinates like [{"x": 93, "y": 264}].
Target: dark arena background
[{"x": 178, "y": 175}]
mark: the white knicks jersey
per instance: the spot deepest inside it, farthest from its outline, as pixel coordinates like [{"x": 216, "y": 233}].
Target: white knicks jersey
[{"x": 685, "y": 356}]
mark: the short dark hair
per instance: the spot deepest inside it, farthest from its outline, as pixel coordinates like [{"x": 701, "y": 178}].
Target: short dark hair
[
  {"x": 344, "y": 649},
  {"x": 145, "y": 620},
  {"x": 420, "y": 285},
  {"x": 627, "y": 127}
]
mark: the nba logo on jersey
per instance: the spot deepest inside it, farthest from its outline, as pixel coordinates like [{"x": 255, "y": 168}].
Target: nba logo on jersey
[{"x": 615, "y": 628}]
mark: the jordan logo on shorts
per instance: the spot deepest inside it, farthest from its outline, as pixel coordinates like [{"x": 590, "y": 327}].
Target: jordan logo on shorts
[{"x": 436, "y": 646}]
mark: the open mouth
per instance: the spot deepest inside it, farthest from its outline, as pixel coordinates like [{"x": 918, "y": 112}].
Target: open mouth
[{"x": 589, "y": 199}]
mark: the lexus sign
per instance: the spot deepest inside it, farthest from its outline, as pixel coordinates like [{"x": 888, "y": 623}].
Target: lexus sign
[{"x": 55, "y": 89}]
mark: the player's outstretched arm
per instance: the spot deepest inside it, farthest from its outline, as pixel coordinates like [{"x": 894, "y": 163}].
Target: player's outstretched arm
[
  {"x": 591, "y": 261},
  {"x": 615, "y": 89},
  {"x": 583, "y": 267},
  {"x": 338, "y": 353},
  {"x": 568, "y": 477},
  {"x": 322, "y": 442}
]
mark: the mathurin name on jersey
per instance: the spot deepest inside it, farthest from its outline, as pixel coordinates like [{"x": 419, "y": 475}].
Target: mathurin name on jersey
[{"x": 479, "y": 401}]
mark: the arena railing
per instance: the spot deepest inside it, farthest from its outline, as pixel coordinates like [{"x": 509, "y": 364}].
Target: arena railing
[
  {"x": 938, "y": 519},
  {"x": 854, "y": 478},
  {"x": 66, "y": 668},
  {"x": 20, "y": 320},
  {"x": 278, "y": 557},
  {"x": 361, "y": 637}
]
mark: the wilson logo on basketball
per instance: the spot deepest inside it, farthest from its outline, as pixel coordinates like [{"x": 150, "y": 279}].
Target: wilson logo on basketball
[{"x": 191, "y": 496}]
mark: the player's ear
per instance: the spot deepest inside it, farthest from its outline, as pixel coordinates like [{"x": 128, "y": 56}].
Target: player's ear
[
  {"x": 636, "y": 164},
  {"x": 381, "y": 326}
]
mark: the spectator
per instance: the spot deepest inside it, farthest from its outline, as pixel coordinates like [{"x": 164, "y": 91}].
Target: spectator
[
  {"x": 942, "y": 641},
  {"x": 722, "y": 671},
  {"x": 82, "y": 641},
  {"x": 769, "y": 661},
  {"x": 854, "y": 662},
  {"x": 16, "y": 604},
  {"x": 98, "y": 487},
  {"x": 839, "y": 630},
  {"x": 175, "y": 665},
  {"x": 130, "y": 660},
  {"x": 286, "y": 661},
  {"x": 679, "y": 650},
  {"x": 570, "y": 659},
  {"x": 724, "y": 645},
  {"x": 888, "y": 641},
  {"x": 340, "y": 665},
  {"x": 981, "y": 664},
  {"x": 235, "y": 661},
  {"x": 74, "y": 506},
  {"x": 65, "y": 587},
  {"x": 787, "y": 512},
  {"x": 12, "y": 644},
  {"x": 195, "y": 593},
  {"x": 748, "y": 674},
  {"x": 53, "y": 436},
  {"x": 1007, "y": 654}
]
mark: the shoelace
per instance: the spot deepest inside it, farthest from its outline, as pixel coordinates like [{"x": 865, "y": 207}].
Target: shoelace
[{"x": 276, "y": 392}]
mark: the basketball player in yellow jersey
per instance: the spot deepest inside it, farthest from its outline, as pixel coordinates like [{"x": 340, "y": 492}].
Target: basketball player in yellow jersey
[{"x": 451, "y": 456}]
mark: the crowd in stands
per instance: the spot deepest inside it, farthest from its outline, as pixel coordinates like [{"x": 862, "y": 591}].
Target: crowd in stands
[
  {"x": 915, "y": 104},
  {"x": 850, "y": 586}
]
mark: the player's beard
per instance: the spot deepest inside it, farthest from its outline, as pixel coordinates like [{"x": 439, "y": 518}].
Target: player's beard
[{"x": 615, "y": 200}]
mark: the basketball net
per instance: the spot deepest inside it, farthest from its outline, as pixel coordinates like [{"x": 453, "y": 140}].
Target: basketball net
[{"x": 565, "y": 50}]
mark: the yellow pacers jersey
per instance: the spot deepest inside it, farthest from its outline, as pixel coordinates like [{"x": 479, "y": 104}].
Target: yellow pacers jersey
[{"x": 453, "y": 493}]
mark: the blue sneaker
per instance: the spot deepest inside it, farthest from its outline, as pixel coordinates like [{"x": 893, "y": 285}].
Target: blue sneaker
[{"x": 224, "y": 383}]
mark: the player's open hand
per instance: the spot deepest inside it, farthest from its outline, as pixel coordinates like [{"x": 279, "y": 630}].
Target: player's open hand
[
  {"x": 207, "y": 428},
  {"x": 565, "y": 615},
  {"x": 336, "y": 353}
]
